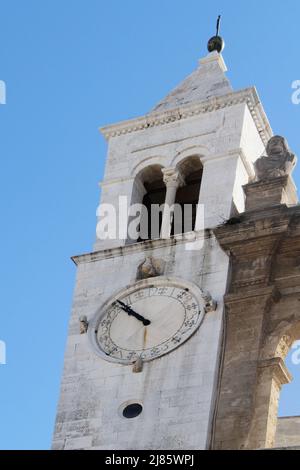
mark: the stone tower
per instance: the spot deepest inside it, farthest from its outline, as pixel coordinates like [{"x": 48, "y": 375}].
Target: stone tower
[{"x": 147, "y": 341}]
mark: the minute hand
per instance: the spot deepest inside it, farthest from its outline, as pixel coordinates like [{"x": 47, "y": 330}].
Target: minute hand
[{"x": 132, "y": 313}]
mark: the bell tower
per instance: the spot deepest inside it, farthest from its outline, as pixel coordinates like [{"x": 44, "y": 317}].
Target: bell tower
[{"x": 145, "y": 337}]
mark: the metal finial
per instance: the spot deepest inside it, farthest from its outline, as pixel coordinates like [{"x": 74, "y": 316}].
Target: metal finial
[
  {"x": 218, "y": 25},
  {"x": 216, "y": 43}
]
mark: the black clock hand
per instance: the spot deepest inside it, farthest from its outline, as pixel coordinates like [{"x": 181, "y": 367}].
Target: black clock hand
[{"x": 131, "y": 312}]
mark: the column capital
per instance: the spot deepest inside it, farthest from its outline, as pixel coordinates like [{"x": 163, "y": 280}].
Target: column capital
[{"x": 172, "y": 177}]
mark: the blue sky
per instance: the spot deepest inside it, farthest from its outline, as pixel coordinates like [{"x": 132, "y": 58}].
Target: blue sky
[{"x": 71, "y": 66}]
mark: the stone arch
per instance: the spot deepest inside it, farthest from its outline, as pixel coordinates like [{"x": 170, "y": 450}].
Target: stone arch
[
  {"x": 280, "y": 340},
  {"x": 285, "y": 344},
  {"x": 149, "y": 192},
  {"x": 146, "y": 163},
  {"x": 272, "y": 374},
  {"x": 200, "y": 151}
]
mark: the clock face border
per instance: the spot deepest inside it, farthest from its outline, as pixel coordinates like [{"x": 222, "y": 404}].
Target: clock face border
[{"x": 129, "y": 289}]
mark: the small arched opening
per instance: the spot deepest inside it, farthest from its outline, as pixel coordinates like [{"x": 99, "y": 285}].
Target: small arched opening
[
  {"x": 150, "y": 191},
  {"x": 187, "y": 196}
]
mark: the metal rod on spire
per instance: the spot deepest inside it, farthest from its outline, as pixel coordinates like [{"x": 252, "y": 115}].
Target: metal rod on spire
[{"x": 218, "y": 25}]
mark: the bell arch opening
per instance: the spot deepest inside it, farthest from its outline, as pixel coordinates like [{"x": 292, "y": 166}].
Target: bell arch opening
[
  {"x": 149, "y": 192},
  {"x": 187, "y": 196}
]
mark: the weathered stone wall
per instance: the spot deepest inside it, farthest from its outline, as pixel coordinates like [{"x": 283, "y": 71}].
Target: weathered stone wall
[
  {"x": 177, "y": 390},
  {"x": 262, "y": 321},
  {"x": 288, "y": 432}
]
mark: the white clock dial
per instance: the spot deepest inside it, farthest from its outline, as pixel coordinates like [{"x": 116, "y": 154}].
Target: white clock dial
[{"x": 147, "y": 320}]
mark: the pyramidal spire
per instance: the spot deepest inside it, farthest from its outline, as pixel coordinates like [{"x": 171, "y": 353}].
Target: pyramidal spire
[{"x": 207, "y": 81}]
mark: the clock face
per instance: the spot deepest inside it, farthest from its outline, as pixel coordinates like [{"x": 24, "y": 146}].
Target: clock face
[{"x": 147, "y": 320}]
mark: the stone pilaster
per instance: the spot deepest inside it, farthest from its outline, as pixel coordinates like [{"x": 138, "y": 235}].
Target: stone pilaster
[
  {"x": 243, "y": 332},
  {"x": 271, "y": 375}
]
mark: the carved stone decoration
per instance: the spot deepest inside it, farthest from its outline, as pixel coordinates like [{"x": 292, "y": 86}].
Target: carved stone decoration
[
  {"x": 280, "y": 161},
  {"x": 210, "y": 303},
  {"x": 83, "y": 325},
  {"x": 138, "y": 366},
  {"x": 284, "y": 346},
  {"x": 172, "y": 177},
  {"x": 150, "y": 267}
]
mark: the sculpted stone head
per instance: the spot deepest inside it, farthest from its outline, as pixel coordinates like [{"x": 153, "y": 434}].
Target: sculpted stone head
[
  {"x": 280, "y": 161},
  {"x": 277, "y": 145}
]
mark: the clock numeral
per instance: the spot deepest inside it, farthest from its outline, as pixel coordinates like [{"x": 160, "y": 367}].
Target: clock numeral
[
  {"x": 138, "y": 295},
  {"x": 191, "y": 306},
  {"x": 159, "y": 291},
  {"x": 115, "y": 352},
  {"x": 153, "y": 291},
  {"x": 189, "y": 323},
  {"x": 184, "y": 295},
  {"x": 126, "y": 300},
  {"x": 162, "y": 291},
  {"x": 176, "y": 339},
  {"x": 131, "y": 356}
]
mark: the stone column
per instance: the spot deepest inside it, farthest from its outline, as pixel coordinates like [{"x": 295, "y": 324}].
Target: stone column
[{"x": 173, "y": 180}]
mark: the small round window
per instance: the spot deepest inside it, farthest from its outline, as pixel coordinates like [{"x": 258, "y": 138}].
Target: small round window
[{"x": 132, "y": 411}]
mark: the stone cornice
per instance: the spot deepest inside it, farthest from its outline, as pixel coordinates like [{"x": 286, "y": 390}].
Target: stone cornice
[
  {"x": 267, "y": 292},
  {"x": 279, "y": 370},
  {"x": 235, "y": 237},
  {"x": 248, "y": 96},
  {"x": 124, "y": 250},
  {"x": 267, "y": 222},
  {"x": 261, "y": 244}
]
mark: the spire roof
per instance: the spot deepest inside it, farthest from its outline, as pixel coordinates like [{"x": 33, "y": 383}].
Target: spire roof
[{"x": 207, "y": 81}]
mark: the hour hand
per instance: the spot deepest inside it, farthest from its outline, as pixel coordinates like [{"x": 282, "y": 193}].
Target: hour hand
[{"x": 132, "y": 313}]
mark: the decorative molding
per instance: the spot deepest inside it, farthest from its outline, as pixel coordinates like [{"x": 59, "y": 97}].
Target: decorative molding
[
  {"x": 199, "y": 150},
  {"x": 284, "y": 346},
  {"x": 248, "y": 96},
  {"x": 251, "y": 282},
  {"x": 280, "y": 372},
  {"x": 145, "y": 163},
  {"x": 266, "y": 292},
  {"x": 148, "y": 245},
  {"x": 112, "y": 181}
]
